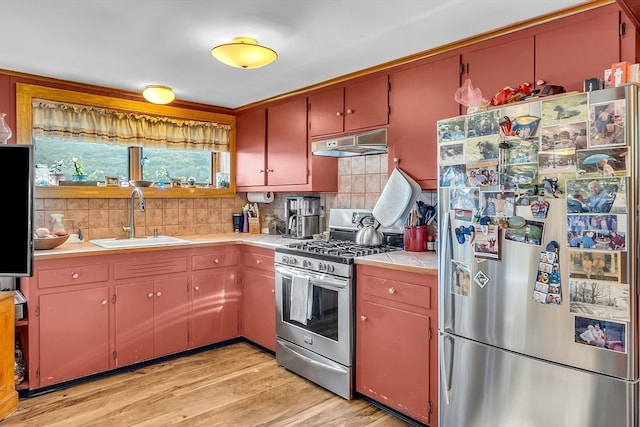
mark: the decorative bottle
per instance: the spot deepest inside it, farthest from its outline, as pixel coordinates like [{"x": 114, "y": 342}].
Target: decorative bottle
[
  {"x": 20, "y": 367},
  {"x": 5, "y": 130}
]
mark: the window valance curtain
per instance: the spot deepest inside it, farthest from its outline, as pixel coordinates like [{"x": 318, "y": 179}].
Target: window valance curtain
[{"x": 69, "y": 122}]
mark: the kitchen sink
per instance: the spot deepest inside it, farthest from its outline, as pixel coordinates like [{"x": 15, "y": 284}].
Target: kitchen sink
[{"x": 138, "y": 242}]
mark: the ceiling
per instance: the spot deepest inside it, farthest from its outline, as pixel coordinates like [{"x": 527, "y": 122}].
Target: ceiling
[{"x": 125, "y": 45}]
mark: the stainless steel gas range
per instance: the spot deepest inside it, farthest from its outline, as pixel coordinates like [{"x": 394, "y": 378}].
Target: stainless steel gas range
[{"x": 315, "y": 283}]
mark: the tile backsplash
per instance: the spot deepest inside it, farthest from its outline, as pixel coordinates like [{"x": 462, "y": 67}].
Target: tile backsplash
[{"x": 361, "y": 180}]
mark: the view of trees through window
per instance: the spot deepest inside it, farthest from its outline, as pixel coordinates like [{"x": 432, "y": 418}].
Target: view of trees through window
[{"x": 100, "y": 160}]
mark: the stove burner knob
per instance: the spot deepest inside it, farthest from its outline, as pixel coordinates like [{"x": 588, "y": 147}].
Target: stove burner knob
[
  {"x": 306, "y": 263},
  {"x": 330, "y": 268},
  {"x": 322, "y": 266},
  {"x": 293, "y": 261},
  {"x": 285, "y": 259}
]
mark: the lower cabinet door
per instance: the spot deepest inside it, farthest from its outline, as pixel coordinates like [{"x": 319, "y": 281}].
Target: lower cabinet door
[
  {"x": 215, "y": 306},
  {"x": 74, "y": 335},
  {"x": 392, "y": 358},
  {"x": 171, "y": 316},
  {"x": 134, "y": 322},
  {"x": 259, "y": 308}
]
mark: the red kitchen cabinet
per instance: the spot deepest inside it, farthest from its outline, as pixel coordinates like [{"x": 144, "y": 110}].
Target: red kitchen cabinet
[
  {"x": 152, "y": 306},
  {"x": 151, "y": 319},
  {"x": 215, "y": 296},
  {"x": 579, "y": 47},
  {"x": 251, "y": 148},
  {"x": 258, "y": 297},
  {"x": 273, "y": 153},
  {"x": 287, "y": 142},
  {"x": 362, "y": 103},
  {"x": 272, "y": 145},
  {"x": 396, "y": 343},
  {"x": 412, "y": 126},
  {"x": 74, "y": 335},
  {"x": 497, "y": 63}
]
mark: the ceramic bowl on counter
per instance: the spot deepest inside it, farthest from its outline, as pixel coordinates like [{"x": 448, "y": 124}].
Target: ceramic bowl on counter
[{"x": 44, "y": 243}]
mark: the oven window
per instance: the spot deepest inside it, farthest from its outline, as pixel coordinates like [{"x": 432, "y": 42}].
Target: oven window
[{"x": 322, "y": 310}]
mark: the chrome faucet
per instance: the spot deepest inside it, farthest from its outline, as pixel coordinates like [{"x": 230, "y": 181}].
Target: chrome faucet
[{"x": 132, "y": 224}]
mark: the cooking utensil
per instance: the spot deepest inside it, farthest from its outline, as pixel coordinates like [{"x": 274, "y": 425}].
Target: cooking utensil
[{"x": 368, "y": 235}]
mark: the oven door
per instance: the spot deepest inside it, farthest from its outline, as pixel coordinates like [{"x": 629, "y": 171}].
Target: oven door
[{"x": 329, "y": 317}]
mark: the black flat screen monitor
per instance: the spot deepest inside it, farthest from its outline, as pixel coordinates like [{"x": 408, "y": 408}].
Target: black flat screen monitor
[{"x": 16, "y": 211}]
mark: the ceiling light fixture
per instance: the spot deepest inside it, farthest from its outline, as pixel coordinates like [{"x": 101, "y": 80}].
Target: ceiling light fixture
[
  {"x": 158, "y": 94},
  {"x": 244, "y": 52}
]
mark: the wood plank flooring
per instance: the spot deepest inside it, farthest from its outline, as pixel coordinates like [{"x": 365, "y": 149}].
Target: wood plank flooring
[{"x": 236, "y": 385}]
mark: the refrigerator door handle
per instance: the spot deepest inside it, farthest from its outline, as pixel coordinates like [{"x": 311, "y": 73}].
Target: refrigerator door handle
[
  {"x": 446, "y": 374},
  {"x": 444, "y": 273}
]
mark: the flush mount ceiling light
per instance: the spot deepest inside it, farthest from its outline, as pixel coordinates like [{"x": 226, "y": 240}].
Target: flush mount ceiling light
[
  {"x": 158, "y": 94},
  {"x": 244, "y": 52}
]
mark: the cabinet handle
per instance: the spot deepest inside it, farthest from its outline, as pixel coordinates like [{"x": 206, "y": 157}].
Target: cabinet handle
[
  {"x": 269, "y": 170},
  {"x": 159, "y": 294},
  {"x": 339, "y": 113},
  {"x": 260, "y": 170},
  {"x": 363, "y": 318},
  {"x": 350, "y": 111},
  {"x": 540, "y": 82},
  {"x": 103, "y": 302},
  {"x": 150, "y": 294},
  {"x": 197, "y": 288},
  {"x": 75, "y": 275},
  {"x": 257, "y": 261},
  {"x": 273, "y": 291},
  {"x": 392, "y": 290},
  {"x": 216, "y": 261}
]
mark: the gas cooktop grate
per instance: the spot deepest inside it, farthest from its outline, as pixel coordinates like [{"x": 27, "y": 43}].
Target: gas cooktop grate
[{"x": 340, "y": 248}]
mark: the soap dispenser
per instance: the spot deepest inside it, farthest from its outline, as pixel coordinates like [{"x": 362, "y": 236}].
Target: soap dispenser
[{"x": 56, "y": 223}]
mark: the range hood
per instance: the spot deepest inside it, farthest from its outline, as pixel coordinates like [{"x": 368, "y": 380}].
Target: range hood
[{"x": 372, "y": 142}]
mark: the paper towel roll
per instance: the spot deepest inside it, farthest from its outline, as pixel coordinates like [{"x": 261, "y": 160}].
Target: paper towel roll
[{"x": 260, "y": 197}]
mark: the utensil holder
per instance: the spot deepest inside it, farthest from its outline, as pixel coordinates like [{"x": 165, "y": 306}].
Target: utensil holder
[{"x": 415, "y": 238}]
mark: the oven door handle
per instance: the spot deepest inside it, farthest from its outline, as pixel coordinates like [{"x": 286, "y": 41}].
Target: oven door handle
[{"x": 316, "y": 279}]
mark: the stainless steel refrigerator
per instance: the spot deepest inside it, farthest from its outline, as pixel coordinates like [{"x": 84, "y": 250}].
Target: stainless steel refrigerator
[{"x": 538, "y": 293}]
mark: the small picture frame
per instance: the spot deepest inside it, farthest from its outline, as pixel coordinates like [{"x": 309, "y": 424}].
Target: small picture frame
[
  {"x": 112, "y": 181},
  {"x": 176, "y": 182}
]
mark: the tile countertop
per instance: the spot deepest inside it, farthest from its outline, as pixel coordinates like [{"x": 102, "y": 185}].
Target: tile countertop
[{"x": 419, "y": 262}]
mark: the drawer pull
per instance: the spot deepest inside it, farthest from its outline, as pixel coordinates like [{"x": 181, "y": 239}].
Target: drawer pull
[
  {"x": 216, "y": 261},
  {"x": 159, "y": 294},
  {"x": 150, "y": 294},
  {"x": 273, "y": 291},
  {"x": 258, "y": 261},
  {"x": 363, "y": 318},
  {"x": 75, "y": 275},
  {"x": 197, "y": 288},
  {"x": 103, "y": 302},
  {"x": 392, "y": 290}
]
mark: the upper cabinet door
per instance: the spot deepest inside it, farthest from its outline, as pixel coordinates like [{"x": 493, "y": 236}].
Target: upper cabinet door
[
  {"x": 578, "y": 48},
  {"x": 420, "y": 96},
  {"x": 288, "y": 149},
  {"x": 367, "y": 103},
  {"x": 499, "y": 63},
  {"x": 251, "y": 144},
  {"x": 361, "y": 104},
  {"x": 326, "y": 112}
]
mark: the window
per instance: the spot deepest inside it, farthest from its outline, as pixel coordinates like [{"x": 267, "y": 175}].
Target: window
[{"x": 126, "y": 139}]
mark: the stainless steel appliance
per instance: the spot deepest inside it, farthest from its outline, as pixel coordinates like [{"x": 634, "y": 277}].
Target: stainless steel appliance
[
  {"x": 302, "y": 215},
  {"x": 520, "y": 344},
  {"x": 315, "y": 302},
  {"x": 371, "y": 142}
]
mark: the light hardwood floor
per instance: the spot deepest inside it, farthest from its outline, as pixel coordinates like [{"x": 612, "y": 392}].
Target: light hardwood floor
[{"x": 235, "y": 385}]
